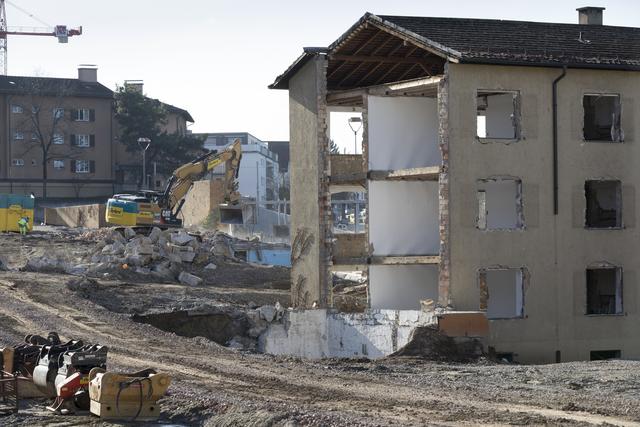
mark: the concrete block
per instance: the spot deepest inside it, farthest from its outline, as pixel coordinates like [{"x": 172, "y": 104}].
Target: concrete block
[
  {"x": 181, "y": 238},
  {"x": 189, "y": 279}
]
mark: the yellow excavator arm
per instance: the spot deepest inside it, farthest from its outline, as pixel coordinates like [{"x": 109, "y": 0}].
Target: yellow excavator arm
[{"x": 183, "y": 177}]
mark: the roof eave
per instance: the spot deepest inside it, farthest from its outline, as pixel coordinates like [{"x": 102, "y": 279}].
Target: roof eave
[{"x": 551, "y": 64}]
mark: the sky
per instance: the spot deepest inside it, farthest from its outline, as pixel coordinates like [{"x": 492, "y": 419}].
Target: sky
[{"x": 216, "y": 58}]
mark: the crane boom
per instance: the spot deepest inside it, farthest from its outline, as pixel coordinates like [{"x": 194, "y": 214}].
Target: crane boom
[{"x": 60, "y": 31}]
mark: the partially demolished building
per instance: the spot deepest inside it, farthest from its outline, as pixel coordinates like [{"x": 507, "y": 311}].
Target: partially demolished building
[{"x": 499, "y": 169}]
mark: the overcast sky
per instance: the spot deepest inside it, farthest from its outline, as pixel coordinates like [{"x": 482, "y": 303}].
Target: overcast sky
[{"x": 215, "y": 58}]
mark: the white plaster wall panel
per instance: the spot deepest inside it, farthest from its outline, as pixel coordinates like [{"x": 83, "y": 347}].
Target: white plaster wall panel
[
  {"x": 403, "y": 132},
  {"x": 505, "y": 293},
  {"x": 499, "y": 117},
  {"x": 403, "y": 218},
  {"x": 402, "y": 287},
  {"x": 501, "y": 204}
]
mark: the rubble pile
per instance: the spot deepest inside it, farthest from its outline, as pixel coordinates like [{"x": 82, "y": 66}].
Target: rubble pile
[{"x": 169, "y": 255}]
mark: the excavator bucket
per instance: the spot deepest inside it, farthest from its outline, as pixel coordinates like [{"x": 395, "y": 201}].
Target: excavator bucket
[{"x": 230, "y": 214}]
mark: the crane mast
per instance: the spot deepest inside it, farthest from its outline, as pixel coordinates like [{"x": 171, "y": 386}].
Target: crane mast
[{"x": 60, "y": 31}]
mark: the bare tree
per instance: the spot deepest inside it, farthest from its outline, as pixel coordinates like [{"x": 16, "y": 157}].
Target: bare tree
[{"x": 44, "y": 123}]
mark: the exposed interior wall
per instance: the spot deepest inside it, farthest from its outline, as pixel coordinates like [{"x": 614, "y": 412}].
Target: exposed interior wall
[
  {"x": 402, "y": 287},
  {"x": 402, "y": 132},
  {"x": 403, "y": 218}
]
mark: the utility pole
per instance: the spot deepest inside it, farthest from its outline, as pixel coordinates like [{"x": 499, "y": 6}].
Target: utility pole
[
  {"x": 144, "y": 142},
  {"x": 355, "y": 128}
]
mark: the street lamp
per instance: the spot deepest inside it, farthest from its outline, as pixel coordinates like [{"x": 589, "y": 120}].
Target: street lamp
[
  {"x": 355, "y": 123},
  {"x": 144, "y": 143}
]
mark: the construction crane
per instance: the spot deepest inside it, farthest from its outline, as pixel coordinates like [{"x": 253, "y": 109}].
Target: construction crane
[{"x": 60, "y": 31}]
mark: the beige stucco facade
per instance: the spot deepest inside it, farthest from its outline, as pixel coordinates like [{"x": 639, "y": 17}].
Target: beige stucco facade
[{"x": 555, "y": 249}]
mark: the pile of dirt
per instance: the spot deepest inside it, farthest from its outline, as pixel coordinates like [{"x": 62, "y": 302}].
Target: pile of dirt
[{"x": 428, "y": 343}]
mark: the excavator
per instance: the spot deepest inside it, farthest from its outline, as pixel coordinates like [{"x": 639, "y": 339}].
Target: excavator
[{"x": 149, "y": 208}]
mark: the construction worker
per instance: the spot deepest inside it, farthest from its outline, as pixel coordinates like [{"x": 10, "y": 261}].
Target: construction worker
[{"x": 23, "y": 224}]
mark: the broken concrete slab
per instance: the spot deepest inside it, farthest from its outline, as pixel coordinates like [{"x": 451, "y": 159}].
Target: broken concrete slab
[
  {"x": 372, "y": 334},
  {"x": 181, "y": 238},
  {"x": 189, "y": 279}
]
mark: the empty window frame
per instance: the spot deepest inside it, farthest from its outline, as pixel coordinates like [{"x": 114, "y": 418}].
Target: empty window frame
[
  {"x": 605, "y": 354},
  {"x": 604, "y": 204},
  {"x": 602, "y": 118},
  {"x": 498, "y": 115},
  {"x": 500, "y": 204},
  {"x": 604, "y": 290},
  {"x": 502, "y": 292}
]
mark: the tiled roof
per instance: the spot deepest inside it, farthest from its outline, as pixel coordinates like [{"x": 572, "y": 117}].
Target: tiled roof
[
  {"x": 50, "y": 86},
  {"x": 487, "y": 41}
]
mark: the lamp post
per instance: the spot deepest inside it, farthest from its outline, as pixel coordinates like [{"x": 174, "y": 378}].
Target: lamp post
[
  {"x": 144, "y": 143},
  {"x": 355, "y": 128}
]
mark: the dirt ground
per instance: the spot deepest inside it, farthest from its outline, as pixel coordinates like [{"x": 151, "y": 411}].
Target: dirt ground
[{"x": 217, "y": 386}]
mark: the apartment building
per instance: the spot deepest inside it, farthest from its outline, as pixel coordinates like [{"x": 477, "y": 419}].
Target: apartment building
[
  {"x": 72, "y": 119},
  {"x": 259, "y": 169},
  {"x": 499, "y": 171}
]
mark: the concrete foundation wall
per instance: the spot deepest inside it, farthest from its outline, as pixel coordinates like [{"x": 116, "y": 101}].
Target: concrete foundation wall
[
  {"x": 317, "y": 334},
  {"x": 89, "y": 216},
  {"x": 555, "y": 249}
]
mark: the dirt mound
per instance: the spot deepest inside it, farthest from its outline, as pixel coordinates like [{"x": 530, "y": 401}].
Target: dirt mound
[{"x": 428, "y": 343}]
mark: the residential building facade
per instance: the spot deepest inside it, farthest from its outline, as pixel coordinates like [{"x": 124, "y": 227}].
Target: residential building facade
[
  {"x": 259, "y": 169},
  {"x": 499, "y": 171},
  {"x": 73, "y": 119}
]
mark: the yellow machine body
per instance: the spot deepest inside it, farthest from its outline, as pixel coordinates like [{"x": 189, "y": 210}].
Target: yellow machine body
[
  {"x": 117, "y": 396},
  {"x": 14, "y": 207}
]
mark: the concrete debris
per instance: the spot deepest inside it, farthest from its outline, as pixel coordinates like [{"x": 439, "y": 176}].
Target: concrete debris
[
  {"x": 129, "y": 233},
  {"x": 181, "y": 238},
  {"x": 189, "y": 279},
  {"x": 164, "y": 254}
]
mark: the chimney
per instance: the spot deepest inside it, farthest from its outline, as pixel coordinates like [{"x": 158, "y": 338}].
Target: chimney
[
  {"x": 88, "y": 73},
  {"x": 135, "y": 85},
  {"x": 590, "y": 15}
]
